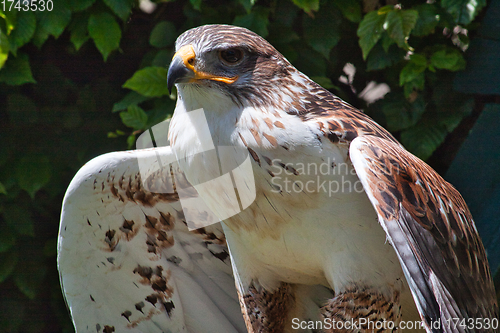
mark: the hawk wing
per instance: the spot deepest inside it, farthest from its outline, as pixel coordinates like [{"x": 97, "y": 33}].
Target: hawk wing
[
  {"x": 430, "y": 227},
  {"x": 128, "y": 262}
]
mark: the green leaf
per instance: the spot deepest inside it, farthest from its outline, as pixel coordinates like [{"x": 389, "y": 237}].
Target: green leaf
[
  {"x": 4, "y": 48},
  {"x": 149, "y": 81},
  {"x": 387, "y": 42},
  {"x": 285, "y": 14},
  {"x": 350, "y": 9},
  {"x": 3, "y": 190},
  {"x": 163, "y": 34},
  {"x": 416, "y": 65},
  {"x": 408, "y": 20},
  {"x": 281, "y": 35},
  {"x": 122, "y": 8},
  {"x": 450, "y": 59},
  {"x": 131, "y": 98},
  {"x": 417, "y": 83},
  {"x": 33, "y": 172},
  {"x": 256, "y": 21},
  {"x": 134, "y": 117},
  {"x": 162, "y": 58},
  {"x": 399, "y": 24},
  {"x": 307, "y": 5},
  {"x": 282, "y": 38},
  {"x": 51, "y": 23},
  {"x": 10, "y": 18},
  {"x": 105, "y": 32},
  {"x": 17, "y": 71},
  {"x": 147, "y": 59},
  {"x": 247, "y": 4},
  {"x": 18, "y": 218},
  {"x": 311, "y": 62},
  {"x": 130, "y": 141},
  {"x": 23, "y": 31},
  {"x": 401, "y": 114},
  {"x": 322, "y": 33},
  {"x": 370, "y": 30},
  {"x": 418, "y": 59},
  {"x": 79, "y": 5},
  {"x": 450, "y": 120},
  {"x": 78, "y": 29},
  {"x": 428, "y": 19},
  {"x": 8, "y": 262},
  {"x": 196, "y": 4},
  {"x": 162, "y": 109},
  {"x": 424, "y": 138},
  {"x": 463, "y": 11},
  {"x": 379, "y": 59}
]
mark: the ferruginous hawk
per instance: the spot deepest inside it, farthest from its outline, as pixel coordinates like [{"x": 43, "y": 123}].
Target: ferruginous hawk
[{"x": 349, "y": 232}]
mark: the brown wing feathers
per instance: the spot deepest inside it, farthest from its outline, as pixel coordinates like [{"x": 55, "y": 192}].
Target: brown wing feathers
[{"x": 437, "y": 225}]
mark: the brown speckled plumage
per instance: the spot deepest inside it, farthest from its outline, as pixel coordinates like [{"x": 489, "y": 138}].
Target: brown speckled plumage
[
  {"x": 413, "y": 198},
  {"x": 268, "y": 310},
  {"x": 363, "y": 307}
]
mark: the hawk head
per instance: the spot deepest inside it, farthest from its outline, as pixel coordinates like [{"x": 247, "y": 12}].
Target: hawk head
[{"x": 229, "y": 60}]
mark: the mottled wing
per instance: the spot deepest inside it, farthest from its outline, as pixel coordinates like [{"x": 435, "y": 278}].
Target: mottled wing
[
  {"x": 127, "y": 260},
  {"x": 433, "y": 233}
]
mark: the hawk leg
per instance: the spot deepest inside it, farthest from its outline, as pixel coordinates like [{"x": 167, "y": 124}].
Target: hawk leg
[
  {"x": 362, "y": 310},
  {"x": 268, "y": 311}
]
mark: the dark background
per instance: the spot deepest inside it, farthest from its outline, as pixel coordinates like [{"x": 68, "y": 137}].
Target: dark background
[{"x": 63, "y": 102}]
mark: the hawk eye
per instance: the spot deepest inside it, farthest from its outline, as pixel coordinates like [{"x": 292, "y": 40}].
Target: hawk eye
[{"x": 231, "y": 56}]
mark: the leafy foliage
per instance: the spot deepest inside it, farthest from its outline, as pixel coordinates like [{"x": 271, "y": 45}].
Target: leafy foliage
[
  {"x": 393, "y": 23},
  {"x": 63, "y": 71},
  {"x": 463, "y": 11},
  {"x": 105, "y": 32},
  {"x": 149, "y": 82}
]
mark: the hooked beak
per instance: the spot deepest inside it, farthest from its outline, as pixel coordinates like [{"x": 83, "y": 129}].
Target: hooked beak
[{"x": 182, "y": 69}]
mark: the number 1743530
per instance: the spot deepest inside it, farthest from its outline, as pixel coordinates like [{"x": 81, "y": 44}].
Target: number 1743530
[{"x": 26, "y": 5}]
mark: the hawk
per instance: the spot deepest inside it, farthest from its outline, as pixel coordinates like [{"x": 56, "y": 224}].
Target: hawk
[{"x": 349, "y": 232}]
